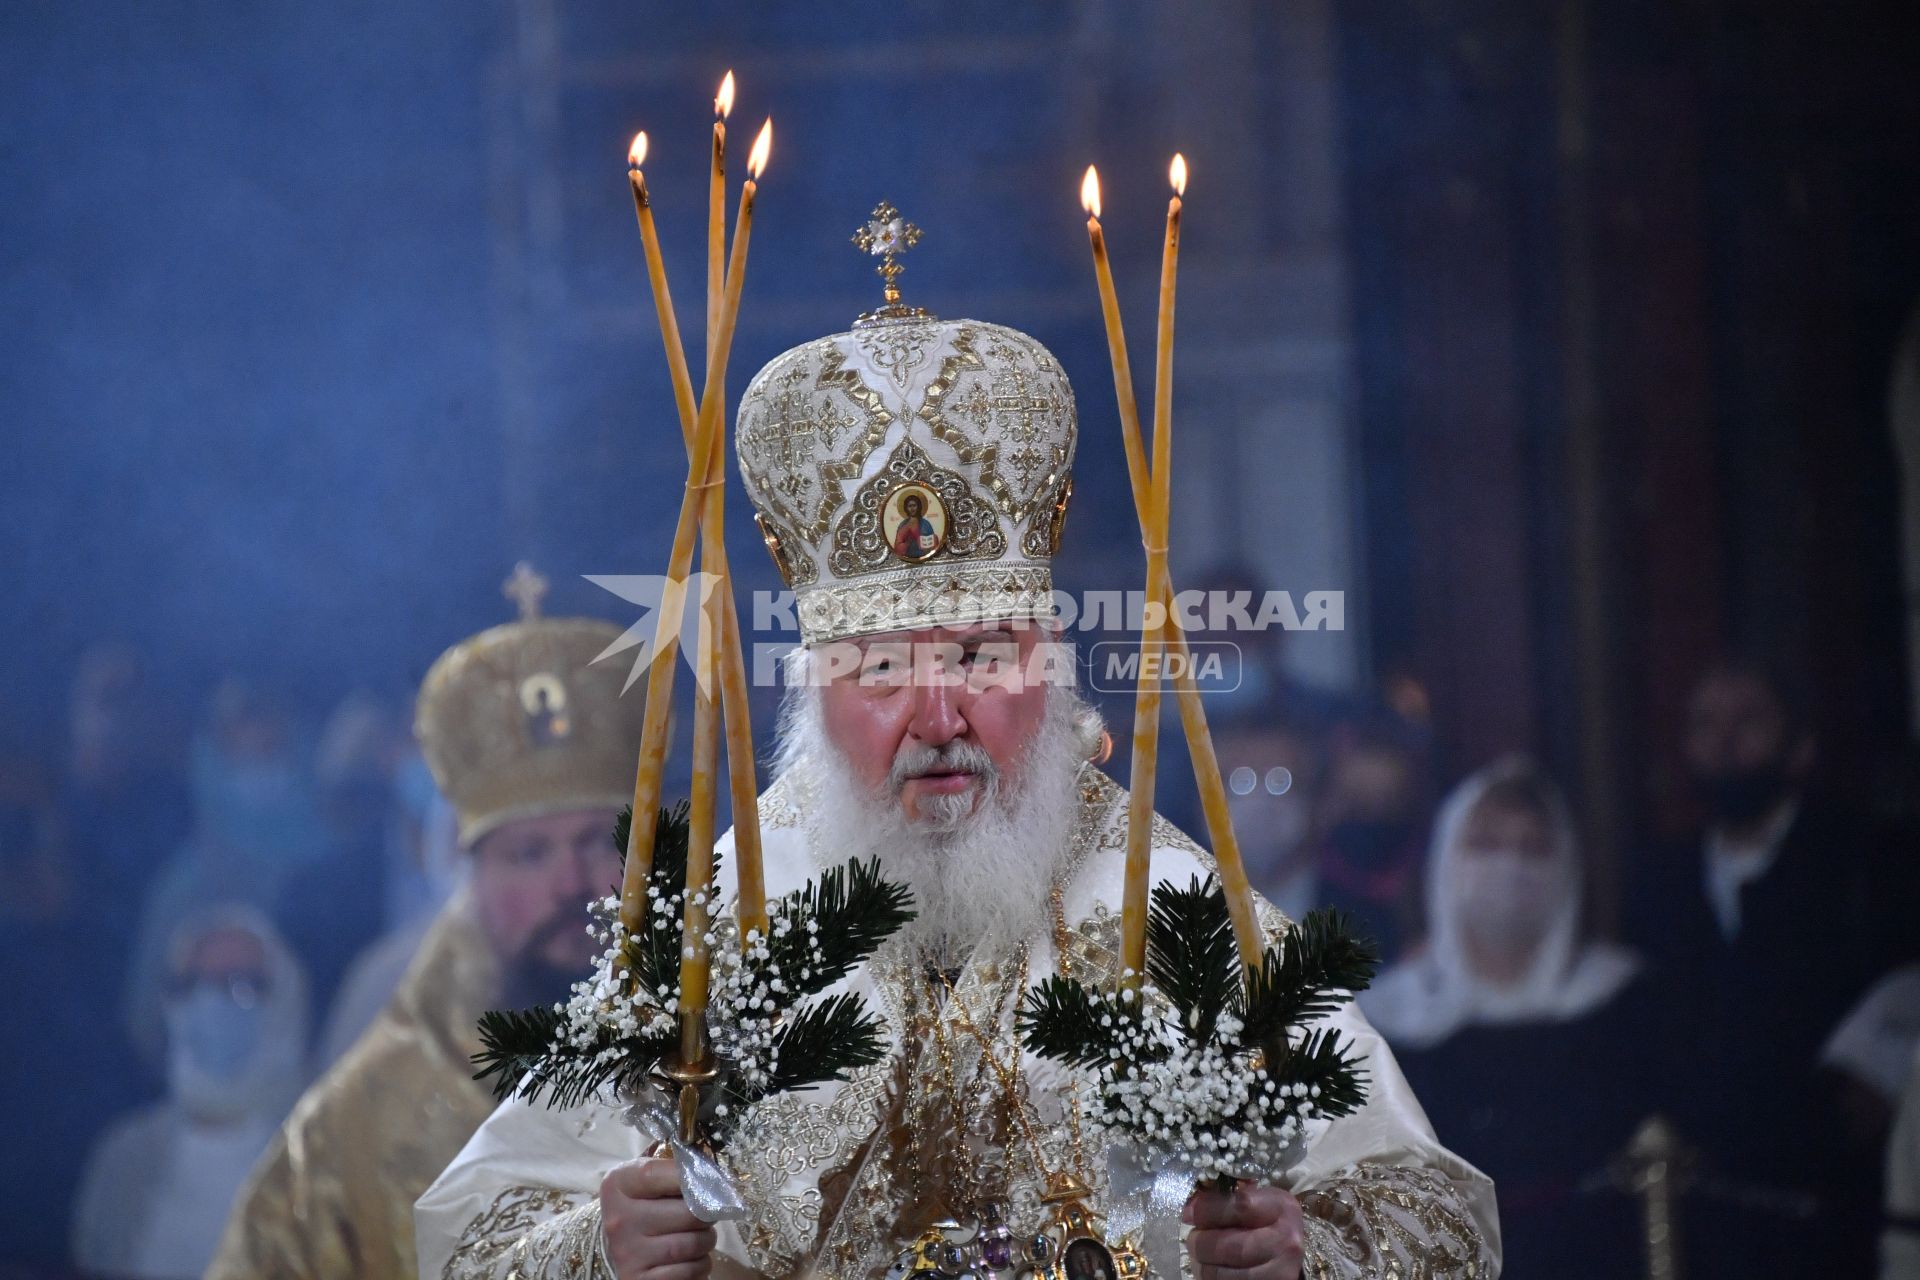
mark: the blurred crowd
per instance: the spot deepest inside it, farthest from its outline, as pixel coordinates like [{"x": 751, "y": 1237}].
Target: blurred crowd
[
  {"x": 1735, "y": 1041},
  {"x": 200, "y": 917}
]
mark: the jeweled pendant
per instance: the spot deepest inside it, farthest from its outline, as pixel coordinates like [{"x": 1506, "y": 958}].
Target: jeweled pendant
[{"x": 1084, "y": 1253}]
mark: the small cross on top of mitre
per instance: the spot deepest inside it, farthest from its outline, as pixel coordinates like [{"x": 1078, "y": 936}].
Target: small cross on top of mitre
[
  {"x": 525, "y": 588},
  {"x": 886, "y": 235}
]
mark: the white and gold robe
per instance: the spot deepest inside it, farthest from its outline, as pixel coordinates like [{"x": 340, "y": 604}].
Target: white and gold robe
[{"x": 839, "y": 1178}]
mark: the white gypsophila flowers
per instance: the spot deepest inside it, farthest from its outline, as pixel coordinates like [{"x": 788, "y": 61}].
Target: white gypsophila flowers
[
  {"x": 1207, "y": 1105},
  {"x": 747, "y": 991}
]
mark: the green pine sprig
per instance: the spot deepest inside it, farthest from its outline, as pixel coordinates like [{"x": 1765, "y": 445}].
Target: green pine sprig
[
  {"x": 1324, "y": 1060},
  {"x": 824, "y": 1042},
  {"x": 1193, "y": 962},
  {"x": 518, "y": 1054},
  {"x": 853, "y": 910},
  {"x": 1069, "y": 1022},
  {"x": 1191, "y": 954},
  {"x": 1316, "y": 967}
]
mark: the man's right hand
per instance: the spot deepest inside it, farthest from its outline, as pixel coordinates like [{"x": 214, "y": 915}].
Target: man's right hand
[{"x": 651, "y": 1234}]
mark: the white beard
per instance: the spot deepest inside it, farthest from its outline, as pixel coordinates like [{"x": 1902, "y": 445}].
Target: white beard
[{"x": 981, "y": 866}]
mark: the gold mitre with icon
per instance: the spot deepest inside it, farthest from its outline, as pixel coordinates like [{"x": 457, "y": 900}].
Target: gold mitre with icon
[
  {"x": 912, "y": 471},
  {"x": 519, "y": 721}
]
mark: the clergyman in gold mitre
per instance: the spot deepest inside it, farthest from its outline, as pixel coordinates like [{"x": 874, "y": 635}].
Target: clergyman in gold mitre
[
  {"x": 532, "y": 742},
  {"x": 911, "y": 476}
]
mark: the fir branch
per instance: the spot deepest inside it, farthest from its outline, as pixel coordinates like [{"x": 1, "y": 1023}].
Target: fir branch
[
  {"x": 1191, "y": 955},
  {"x": 515, "y": 1043},
  {"x": 1309, "y": 973},
  {"x": 522, "y": 1054},
  {"x": 853, "y": 910},
  {"x": 825, "y": 1042},
  {"x": 655, "y": 950},
  {"x": 1066, "y": 1021},
  {"x": 668, "y": 871},
  {"x": 1324, "y": 1060}
]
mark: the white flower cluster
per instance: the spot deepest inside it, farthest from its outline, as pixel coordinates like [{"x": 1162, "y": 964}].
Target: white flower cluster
[
  {"x": 1209, "y": 1105},
  {"x": 748, "y": 993}
]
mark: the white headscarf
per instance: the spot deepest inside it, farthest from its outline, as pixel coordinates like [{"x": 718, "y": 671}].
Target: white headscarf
[
  {"x": 268, "y": 1080},
  {"x": 1425, "y": 999},
  {"x": 159, "y": 1183}
]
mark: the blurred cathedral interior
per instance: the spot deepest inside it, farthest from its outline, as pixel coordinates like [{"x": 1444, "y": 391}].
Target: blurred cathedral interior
[{"x": 1574, "y": 347}]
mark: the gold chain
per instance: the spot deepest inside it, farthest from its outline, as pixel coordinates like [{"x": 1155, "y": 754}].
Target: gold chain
[{"x": 1009, "y": 1078}]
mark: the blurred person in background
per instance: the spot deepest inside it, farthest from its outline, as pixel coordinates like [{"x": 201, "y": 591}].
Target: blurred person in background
[
  {"x": 1867, "y": 1062},
  {"x": 1900, "y": 1238},
  {"x": 159, "y": 1183},
  {"x": 1259, "y": 683},
  {"x": 424, "y": 862},
  {"x": 123, "y": 796},
  {"x": 1373, "y": 820},
  {"x": 336, "y": 907},
  {"x": 425, "y": 868},
  {"x": 69, "y": 1070},
  {"x": 1770, "y": 924},
  {"x": 1273, "y": 772},
  {"x": 1871, "y": 1051},
  {"x": 536, "y": 749},
  {"x": 256, "y": 825},
  {"x": 1527, "y": 1041}
]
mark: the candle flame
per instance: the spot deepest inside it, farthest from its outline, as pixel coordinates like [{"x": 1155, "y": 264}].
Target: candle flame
[
  {"x": 1090, "y": 191},
  {"x": 637, "y": 153},
  {"x": 1177, "y": 174},
  {"x": 757, "y": 162},
  {"x": 723, "y": 105}
]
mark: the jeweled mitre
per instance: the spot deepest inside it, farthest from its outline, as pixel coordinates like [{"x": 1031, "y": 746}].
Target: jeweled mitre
[
  {"x": 911, "y": 472},
  {"x": 519, "y": 721}
]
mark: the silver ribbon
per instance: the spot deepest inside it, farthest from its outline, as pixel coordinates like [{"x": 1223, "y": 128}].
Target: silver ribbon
[
  {"x": 1139, "y": 1195},
  {"x": 711, "y": 1193}
]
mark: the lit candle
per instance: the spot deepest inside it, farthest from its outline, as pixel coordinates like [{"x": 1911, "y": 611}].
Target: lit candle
[
  {"x": 744, "y": 788},
  {"x": 1116, "y": 345},
  {"x": 657, "y": 279},
  {"x": 1153, "y": 630},
  {"x": 695, "y": 962},
  {"x": 707, "y": 442},
  {"x": 1193, "y": 719},
  {"x": 717, "y": 211},
  {"x": 1163, "y": 353}
]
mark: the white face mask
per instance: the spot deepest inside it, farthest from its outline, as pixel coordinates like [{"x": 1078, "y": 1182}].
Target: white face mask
[
  {"x": 226, "y": 1060},
  {"x": 1505, "y": 897}
]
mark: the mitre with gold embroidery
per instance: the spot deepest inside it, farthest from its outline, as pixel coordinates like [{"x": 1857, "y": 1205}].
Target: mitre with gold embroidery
[
  {"x": 518, "y": 721},
  {"x": 911, "y": 471}
]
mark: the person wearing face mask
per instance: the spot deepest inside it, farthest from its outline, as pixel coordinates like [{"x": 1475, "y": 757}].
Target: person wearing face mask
[
  {"x": 159, "y": 1182},
  {"x": 1772, "y": 920},
  {"x": 256, "y": 826},
  {"x": 1524, "y": 1037},
  {"x": 1371, "y": 816},
  {"x": 534, "y": 746}
]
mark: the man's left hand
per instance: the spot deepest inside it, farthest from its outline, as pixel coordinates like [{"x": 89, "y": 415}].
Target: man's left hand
[{"x": 1250, "y": 1233}]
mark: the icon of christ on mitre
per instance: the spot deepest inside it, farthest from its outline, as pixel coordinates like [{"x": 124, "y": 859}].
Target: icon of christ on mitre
[{"x": 911, "y": 478}]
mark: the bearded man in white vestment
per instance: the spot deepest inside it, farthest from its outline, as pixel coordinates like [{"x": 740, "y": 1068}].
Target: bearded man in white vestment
[{"x": 931, "y": 722}]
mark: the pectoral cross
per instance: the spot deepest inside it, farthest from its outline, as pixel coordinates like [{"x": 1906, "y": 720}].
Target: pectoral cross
[{"x": 886, "y": 235}]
